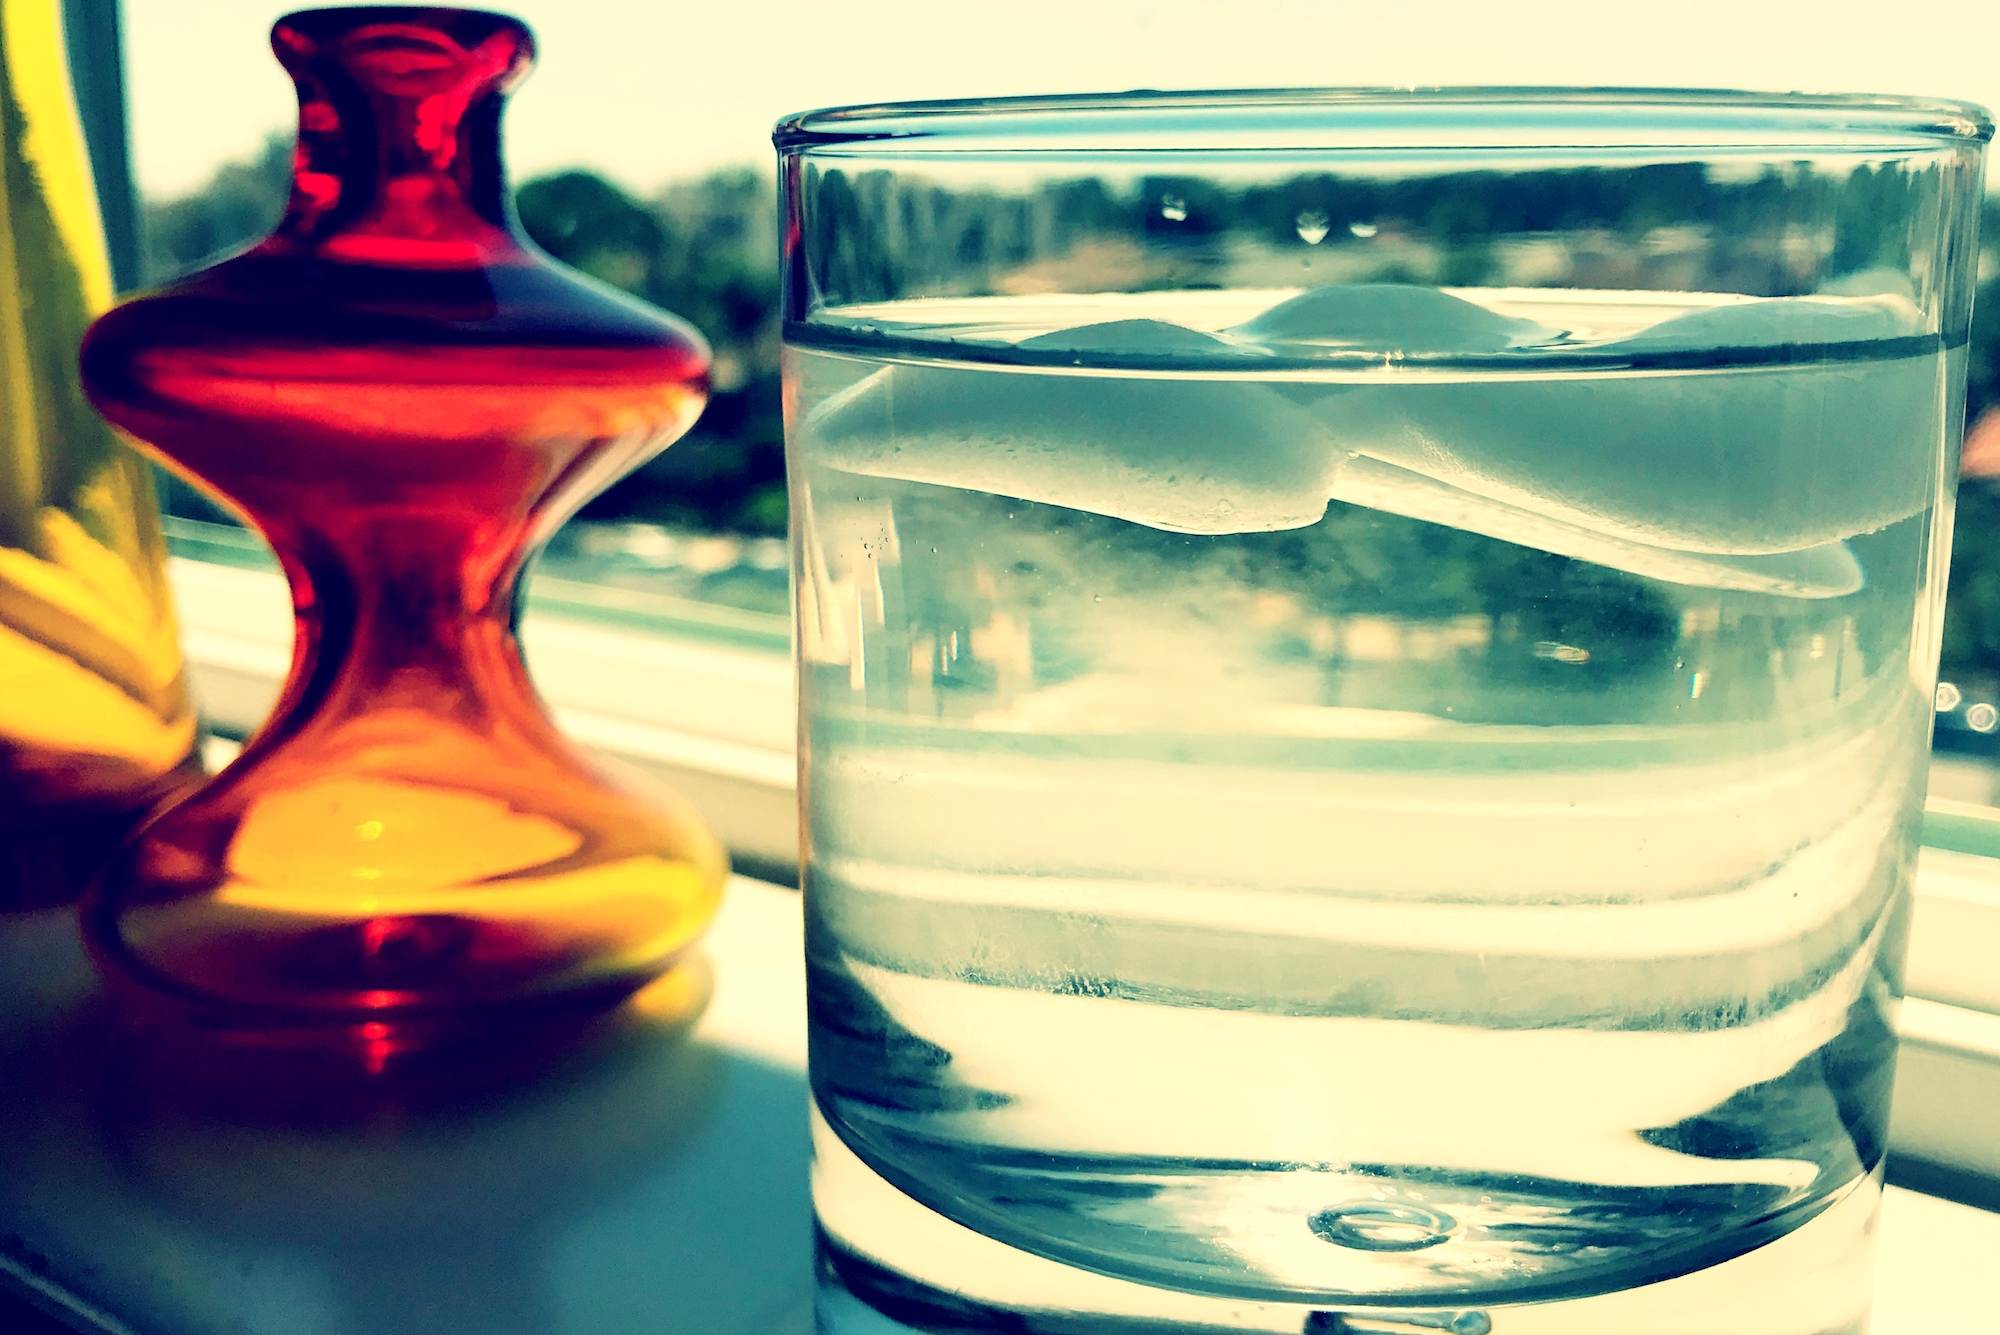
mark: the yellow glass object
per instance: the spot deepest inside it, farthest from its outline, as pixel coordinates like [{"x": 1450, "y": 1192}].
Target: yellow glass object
[{"x": 95, "y": 720}]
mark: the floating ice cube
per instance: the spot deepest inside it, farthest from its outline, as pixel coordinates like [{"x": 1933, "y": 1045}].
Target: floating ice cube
[
  {"x": 1872, "y": 283},
  {"x": 1183, "y": 455},
  {"x": 1387, "y": 318},
  {"x": 1779, "y": 322},
  {"x": 1718, "y": 458},
  {"x": 1712, "y": 469},
  {"x": 1825, "y": 571},
  {"x": 1138, "y": 338}
]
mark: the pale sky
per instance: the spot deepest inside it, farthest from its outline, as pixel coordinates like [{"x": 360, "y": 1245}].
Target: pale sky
[{"x": 650, "y": 90}]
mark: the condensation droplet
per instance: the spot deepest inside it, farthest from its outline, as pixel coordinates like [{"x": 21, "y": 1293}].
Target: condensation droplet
[
  {"x": 1173, "y": 208},
  {"x": 1364, "y": 230},
  {"x": 1313, "y": 226}
]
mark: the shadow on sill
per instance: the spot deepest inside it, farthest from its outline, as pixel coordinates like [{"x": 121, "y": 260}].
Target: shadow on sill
[{"x": 1952, "y": 1184}]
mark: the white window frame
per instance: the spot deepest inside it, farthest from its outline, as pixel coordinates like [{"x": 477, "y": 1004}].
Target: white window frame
[{"x": 715, "y": 721}]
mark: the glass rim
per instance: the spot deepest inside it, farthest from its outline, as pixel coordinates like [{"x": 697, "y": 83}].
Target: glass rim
[{"x": 1389, "y": 118}]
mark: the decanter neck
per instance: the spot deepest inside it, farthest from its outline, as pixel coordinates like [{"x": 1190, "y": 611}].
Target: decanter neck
[{"x": 398, "y": 157}]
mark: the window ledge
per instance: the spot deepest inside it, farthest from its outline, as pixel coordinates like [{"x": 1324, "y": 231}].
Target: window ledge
[{"x": 739, "y": 1151}]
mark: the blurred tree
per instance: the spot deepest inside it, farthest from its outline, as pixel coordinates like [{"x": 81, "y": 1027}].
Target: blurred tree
[
  {"x": 240, "y": 203},
  {"x": 706, "y": 250},
  {"x": 590, "y": 224}
]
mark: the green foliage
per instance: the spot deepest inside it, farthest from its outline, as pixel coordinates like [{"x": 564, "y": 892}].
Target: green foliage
[
  {"x": 240, "y": 203},
  {"x": 706, "y": 250}
]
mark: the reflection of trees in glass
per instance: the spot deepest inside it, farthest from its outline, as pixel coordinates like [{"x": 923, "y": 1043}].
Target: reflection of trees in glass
[{"x": 1771, "y": 230}]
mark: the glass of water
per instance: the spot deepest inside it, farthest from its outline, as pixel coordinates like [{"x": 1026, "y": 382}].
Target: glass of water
[{"x": 1366, "y": 663}]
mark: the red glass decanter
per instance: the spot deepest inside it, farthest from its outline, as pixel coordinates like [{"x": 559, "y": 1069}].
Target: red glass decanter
[{"x": 407, "y": 399}]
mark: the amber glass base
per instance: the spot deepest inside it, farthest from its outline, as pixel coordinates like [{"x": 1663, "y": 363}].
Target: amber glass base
[{"x": 398, "y": 868}]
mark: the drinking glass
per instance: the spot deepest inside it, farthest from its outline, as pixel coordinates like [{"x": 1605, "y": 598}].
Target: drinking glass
[{"x": 1366, "y": 666}]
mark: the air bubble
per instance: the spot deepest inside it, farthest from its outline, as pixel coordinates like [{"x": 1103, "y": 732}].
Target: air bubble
[
  {"x": 1313, "y": 226},
  {"x": 1401, "y": 1323},
  {"x": 1374, "y": 1226},
  {"x": 1173, "y": 208},
  {"x": 1364, "y": 230}
]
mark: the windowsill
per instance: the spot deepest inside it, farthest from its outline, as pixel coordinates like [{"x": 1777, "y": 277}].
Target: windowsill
[
  {"x": 177, "y": 1229},
  {"x": 652, "y": 1176}
]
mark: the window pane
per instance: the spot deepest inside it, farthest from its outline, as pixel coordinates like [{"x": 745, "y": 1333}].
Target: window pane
[{"x": 618, "y": 175}]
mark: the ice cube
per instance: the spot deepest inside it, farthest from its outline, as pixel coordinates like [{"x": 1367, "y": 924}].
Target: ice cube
[
  {"x": 1389, "y": 318},
  {"x": 1139, "y": 338},
  {"x": 1777, "y": 322},
  {"x": 1874, "y": 282},
  {"x": 1181, "y": 455},
  {"x": 1707, "y": 456},
  {"x": 1825, "y": 571}
]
